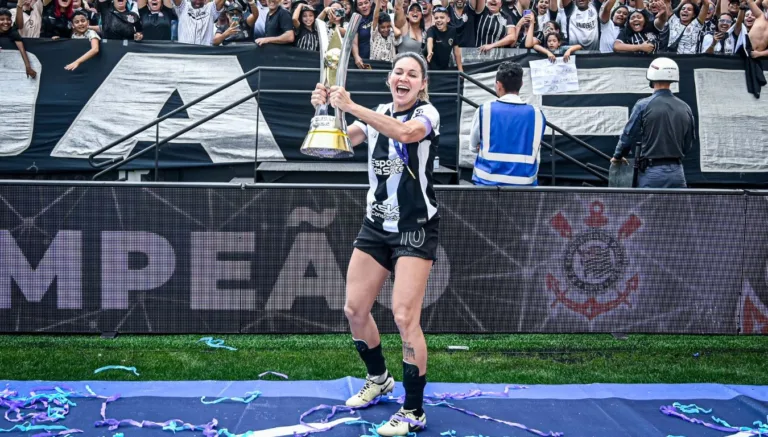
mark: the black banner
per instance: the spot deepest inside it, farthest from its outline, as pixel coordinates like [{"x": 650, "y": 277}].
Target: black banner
[
  {"x": 173, "y": 259},
  {"x": 50, "y": 125}
]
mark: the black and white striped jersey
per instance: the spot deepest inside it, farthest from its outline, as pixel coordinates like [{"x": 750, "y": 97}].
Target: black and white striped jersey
[{"x": 401, "y": 196}]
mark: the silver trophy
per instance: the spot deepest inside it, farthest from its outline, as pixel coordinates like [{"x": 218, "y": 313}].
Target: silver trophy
[{"x": 327, "y": 137}]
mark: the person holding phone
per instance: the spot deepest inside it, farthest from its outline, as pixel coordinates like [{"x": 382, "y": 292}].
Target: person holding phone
[{"x": 237, "y": 29}]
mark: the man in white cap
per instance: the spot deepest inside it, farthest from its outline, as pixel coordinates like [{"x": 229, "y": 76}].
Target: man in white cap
[{"x": 664, "y": 127}]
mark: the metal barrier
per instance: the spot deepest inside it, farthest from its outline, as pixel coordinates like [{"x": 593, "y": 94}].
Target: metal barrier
[{"x": 115, "y": 163}]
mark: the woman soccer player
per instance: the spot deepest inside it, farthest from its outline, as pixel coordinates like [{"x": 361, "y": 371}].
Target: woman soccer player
[{"x": 399, "y": 233}]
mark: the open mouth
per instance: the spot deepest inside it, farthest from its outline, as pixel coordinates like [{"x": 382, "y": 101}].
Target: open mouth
[{"x": 402, "y": 90}]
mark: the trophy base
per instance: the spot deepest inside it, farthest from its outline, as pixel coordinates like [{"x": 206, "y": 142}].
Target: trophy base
[{"x": 327, "y": 143}]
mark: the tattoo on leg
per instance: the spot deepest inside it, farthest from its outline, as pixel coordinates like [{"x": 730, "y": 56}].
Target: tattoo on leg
[{"x": 408, "y": 351}]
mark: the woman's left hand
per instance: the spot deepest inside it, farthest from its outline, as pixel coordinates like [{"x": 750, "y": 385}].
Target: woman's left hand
[{"x": 339, "y": 99}]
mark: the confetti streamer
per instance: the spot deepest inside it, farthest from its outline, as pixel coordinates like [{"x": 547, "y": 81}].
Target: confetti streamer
[
  {"x": 269, "y": 372},
  {"x": 129, "y": 369},
  {"x": 251, "y": 396},
  {"x": 719, "y": 425},
  {"x": 216, "y": 343}
]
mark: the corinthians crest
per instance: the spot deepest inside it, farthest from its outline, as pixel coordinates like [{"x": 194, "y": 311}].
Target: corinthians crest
[{"x": 594, "y": 265}]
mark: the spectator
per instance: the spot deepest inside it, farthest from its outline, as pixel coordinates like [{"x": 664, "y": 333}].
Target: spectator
[
  {"x": 542, "y": 13},
  {"x": 361, "y": 48},
  {"x": 384, "y": 36},
  {"x": 685, "y": 27},
  {"x": 235, "y": 28},
  {"x": 441, "y": 42},
  {"x": 197, "y": 20},
  {"x": 304, "y": 26},
  {"x": 81, "y": 30},
  {"x": 463, "y": 19},
  {"x": 554, "y": 42},
  {"x": 286, "y": 4},
  {"x": 56, "y": 19},
  {"x": 507, "y": 134},
  {"x": 333, "y": 16},
  {"x": 757, "y": 24},
  {"x": 413, "y": 36},
  {"x": 117, "y": 22},
  {"x": 580, "y": 22},
  {"x": 541, "y": 37},
  {"x": 28, "y": 17},
  {"x": 638, "y": 36},
  {"x": 7, "y": 31},
  {"x": 157, "y": 17},
  {"x": 494, "y": 28},
  {"x": 93, "y": 17},
  {"x": 723, "y": 40},
  {"x": 611, "y": 22},
  {"x": 260, "y": 28},
  {"x": 348, "y": 8},
  {"x": 279, "y": 26}
]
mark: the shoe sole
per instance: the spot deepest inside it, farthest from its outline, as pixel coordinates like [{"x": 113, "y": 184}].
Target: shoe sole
[{"x": 389, "y": 388}]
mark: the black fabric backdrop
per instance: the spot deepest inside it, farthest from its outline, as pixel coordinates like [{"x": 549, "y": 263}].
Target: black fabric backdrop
[
  {"x": 62, "y": 95},
  {"x": 143, "y": 258}
]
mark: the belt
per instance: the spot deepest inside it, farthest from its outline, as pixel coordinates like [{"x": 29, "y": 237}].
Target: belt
[{"x": 663, "y": 161}]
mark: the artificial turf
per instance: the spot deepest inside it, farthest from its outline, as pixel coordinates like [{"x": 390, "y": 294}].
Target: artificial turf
[{"x": 520, "y": 359}]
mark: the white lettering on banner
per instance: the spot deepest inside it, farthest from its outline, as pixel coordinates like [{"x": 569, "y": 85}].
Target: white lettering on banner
[
  {"x": 61, "y": 262},
  {"x": 117, "y": 278},
  {"x": 308, "y": 249},
  {"x": 206, "y": 271},
  {"x": 733, "y": 124},
  {"x": 554, "y": 78},
  {"x": 18, "y": 102},
  {"x": 596, "y": 121},
  {"x": 138, "y": 87}
]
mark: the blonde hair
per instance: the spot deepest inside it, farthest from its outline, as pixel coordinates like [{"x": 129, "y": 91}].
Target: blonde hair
[{"x": 423, "y": 94}]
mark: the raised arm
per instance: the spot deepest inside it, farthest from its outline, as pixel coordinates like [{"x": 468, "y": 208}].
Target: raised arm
[
  {"x": 703, "y": 11},
  {"x": 219, "y": 5},
  {"x": 400, "y": 21},
  {"x": 376, "y": 12},
  {"x": 20, "y": 15},
  {"x": 755, "y": 9},
  {"x": 605, "y": 11},
  {"x": 297, "y": 16},
  {"x": 251, "y": 20}
]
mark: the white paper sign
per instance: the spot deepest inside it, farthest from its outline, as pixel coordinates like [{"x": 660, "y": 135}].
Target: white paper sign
[{"x": 557, "y": 78}]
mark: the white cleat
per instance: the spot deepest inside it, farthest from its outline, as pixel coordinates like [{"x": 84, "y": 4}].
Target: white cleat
[
  {"x": 371, "y": 390},
  {"x": 402, "y": 423}
]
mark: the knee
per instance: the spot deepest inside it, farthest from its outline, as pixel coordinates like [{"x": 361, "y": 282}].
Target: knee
[
  {"x": 405, "y": 319},
  {"x": 355, "y": 314}
]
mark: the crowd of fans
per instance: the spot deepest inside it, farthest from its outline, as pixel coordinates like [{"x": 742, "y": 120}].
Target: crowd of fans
[{"x": 433, "y": 28}]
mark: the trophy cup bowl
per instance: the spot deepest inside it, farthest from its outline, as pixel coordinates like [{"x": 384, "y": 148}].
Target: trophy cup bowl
[{"x": 327, "y": 137}]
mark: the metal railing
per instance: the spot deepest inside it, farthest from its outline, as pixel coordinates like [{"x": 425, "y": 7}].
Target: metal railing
[{"x": 117, "y": 162}]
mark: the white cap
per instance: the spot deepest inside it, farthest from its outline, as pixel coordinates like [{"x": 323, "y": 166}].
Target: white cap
[{"x": 663, "y": 70}]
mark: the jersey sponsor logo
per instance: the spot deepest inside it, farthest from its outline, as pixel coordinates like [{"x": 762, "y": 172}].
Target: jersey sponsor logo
[
  {"x": 413, "y": 238},
  {"x": 385, "y": 212},
  {"x": 388, "y": 167},
  {"x": 595, "y": 264}
]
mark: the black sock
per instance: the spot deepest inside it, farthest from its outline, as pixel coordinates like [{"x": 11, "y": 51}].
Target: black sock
[
  {"x": 414, "y": 388},
  {"x": 373, "y": 358}
]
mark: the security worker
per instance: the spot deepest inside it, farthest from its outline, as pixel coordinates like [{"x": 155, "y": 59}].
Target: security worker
[
  {"x": 664, "y": 127},
  {"x": 507, "y": 133}
]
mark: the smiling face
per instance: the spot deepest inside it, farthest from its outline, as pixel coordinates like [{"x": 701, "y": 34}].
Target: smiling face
[
  {"x": 155, "y": 5},
  {"x": 5, "y": 23},
  {"x": 80, "y": 24},
  {"x": 542, "y": 6},
  {"x": 64, "y": 4},
  {"x": 308, "y": 18},
  {"x": 620, "y": 16},
  {"x": 687, "y": 13},
  {"x": 637, "y": 22},
  {"x": 441, "y": 20},
  {"x": 414, "y": 14},
  {"x": 724, "y": 23},
  {"x": 405, "y": 81},
  {"x": 493, "y": 6},
  {"x": 119, "y": 5}
]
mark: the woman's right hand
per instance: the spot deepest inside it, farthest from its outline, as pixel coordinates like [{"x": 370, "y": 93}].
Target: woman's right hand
[{"x": 319, "y": 95}]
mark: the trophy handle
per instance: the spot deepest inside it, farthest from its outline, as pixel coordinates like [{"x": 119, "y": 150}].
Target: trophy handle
[{"x": 346, "y": 51}]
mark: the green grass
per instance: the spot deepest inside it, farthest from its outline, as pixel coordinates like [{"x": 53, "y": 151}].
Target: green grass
[{"x": 522, "y": 359}]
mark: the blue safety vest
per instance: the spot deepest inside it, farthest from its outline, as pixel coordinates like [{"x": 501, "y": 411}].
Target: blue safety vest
[{"x": 510, "y": 140}]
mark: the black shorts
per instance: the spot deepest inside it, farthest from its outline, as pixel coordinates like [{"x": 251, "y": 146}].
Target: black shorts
[{"x": 386, "y": 247}]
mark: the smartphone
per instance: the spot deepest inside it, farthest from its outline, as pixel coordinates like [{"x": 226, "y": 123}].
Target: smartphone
[
  {"x": 367, "y": 67},
  {"x": 526, "y": 12}
]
